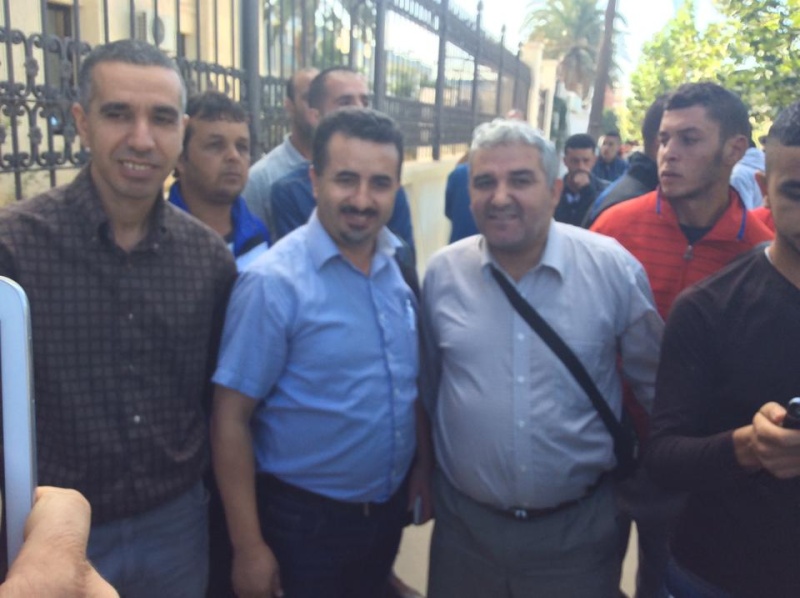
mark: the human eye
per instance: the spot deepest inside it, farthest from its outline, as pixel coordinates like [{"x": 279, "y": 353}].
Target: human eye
[
  {"x": 115, "y": 112},
  {"x": 165, "y": 118},
  {"x": 690, "y": 139},
  {"x": 519, "y": 181},
  {"x": 346, "y": 179},
  {"x": 484, "y": 182},
  {"x": 243, "y": 148},
  {"x": 382, "y": 183}
]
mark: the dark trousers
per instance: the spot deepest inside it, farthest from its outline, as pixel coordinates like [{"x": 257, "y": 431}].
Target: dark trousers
[
  {"x": 685, "y": 584},
  {"x": 326, "y": 547}
]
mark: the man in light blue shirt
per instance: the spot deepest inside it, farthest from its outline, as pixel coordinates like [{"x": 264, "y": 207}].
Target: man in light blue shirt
[
  {"x": 291, "y": 196},
  {"x": 314, "y": 414},
  {"x": 524, "y": 506}
]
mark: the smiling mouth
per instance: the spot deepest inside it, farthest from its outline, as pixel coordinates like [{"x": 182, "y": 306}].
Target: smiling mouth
[{"x": 136, "y": 166}]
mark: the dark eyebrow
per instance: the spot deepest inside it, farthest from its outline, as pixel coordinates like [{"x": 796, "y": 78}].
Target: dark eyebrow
[
  {"x": 790, "y": 187},
  {"x": 523, "y": 171},
  {"x": 382, "y": 178},
  {"x": 170, "y": 111},
  {"x": 114, "y": 107}
]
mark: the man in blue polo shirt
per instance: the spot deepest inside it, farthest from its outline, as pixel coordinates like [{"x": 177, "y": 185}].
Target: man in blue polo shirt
[
  {"x": 313, "y": 430},
  {"x": 212, "y": 171},
  {"x": 291, "y": 197}
]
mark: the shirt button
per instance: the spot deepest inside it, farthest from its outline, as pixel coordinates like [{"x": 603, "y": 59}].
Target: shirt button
[
  {"x": 520, "y": 337},
  {"x": 520, "y": 379},
  {"x": 137, "y": 419},
  {"x": 521, "y": 423},
  {"x": 130, "y": 316},
  {"x": 523, "y": 468}
]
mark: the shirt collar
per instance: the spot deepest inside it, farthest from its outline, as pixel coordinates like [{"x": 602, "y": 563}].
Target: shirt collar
[
  {"x": 322, "y": 248},
  {"x": 292, "y": 150},
  {"x": 730, "y": 225},
  {"x": 553, "y": 256},
  {"x": 83, "y": 195}
]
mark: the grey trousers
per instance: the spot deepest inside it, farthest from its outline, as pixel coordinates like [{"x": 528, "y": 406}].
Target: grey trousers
[{"x": 479, "y": 553}]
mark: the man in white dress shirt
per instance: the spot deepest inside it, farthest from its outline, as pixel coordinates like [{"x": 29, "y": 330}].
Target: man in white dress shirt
[{"x": 523, "y": 499}]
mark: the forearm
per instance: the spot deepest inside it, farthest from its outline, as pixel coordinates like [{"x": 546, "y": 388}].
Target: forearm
[
  {"x": 234, "y": 468},
  {"x": 687, "y": 463}
]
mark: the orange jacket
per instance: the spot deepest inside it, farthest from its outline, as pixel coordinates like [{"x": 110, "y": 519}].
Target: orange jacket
[{"x": 647, "y": 226}]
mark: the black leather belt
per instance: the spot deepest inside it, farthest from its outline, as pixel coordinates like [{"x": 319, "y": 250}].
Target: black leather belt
[
  {"x": 268, "y": 483},
  {"x": 522, "y": 514}
]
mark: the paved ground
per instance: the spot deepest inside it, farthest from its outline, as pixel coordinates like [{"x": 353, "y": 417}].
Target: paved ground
[{"x": 412, "y": 563}]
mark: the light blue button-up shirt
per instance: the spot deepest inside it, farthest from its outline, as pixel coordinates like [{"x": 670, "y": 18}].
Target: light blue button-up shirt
[
  {"x": 512, "y": 427},
  {"x": 331, "y": 355}
]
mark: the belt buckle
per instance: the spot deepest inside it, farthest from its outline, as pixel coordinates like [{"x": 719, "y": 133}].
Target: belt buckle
[{"x": 520, "y": 514}]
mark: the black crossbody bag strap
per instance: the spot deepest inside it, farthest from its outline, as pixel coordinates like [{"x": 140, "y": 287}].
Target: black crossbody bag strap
[{"x": 623, "y": 445}]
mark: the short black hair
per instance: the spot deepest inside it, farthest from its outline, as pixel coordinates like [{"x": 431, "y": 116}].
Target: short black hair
[
  {"x": 317, "y": 91},
  {"x": 210, "y": 106},
  {"x": 580, "y": 141},
  {"x": 786, "y": 127},
  {"x": 652, "y": 120},
  {"x": 613, "y": 133},
  {"x": 128, "y": 51},
  {"x": 722, "y": 106},
  {"x": 358, "y": 123}
]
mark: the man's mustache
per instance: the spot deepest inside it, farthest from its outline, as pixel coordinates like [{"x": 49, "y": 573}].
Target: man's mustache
[{"x": 350, "y": 210}]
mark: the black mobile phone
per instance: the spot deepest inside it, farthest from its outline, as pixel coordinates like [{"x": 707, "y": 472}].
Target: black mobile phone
[
  {"x": 19, "y": 436},
  {"x": 792, "y": 419}
]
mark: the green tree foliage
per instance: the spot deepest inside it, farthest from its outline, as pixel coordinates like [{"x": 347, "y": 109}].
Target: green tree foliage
[
  {"x": 753, "y": 50},
  {"x": 679, "y": 53},
  {"x": 764, "y": 48}
]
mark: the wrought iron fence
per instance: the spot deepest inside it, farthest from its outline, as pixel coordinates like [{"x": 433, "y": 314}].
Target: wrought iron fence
[{"x": 434, "y": 70}]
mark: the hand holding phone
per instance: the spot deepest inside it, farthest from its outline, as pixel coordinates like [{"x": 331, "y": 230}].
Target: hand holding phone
[
  {"x": 19, "y": 439},
  {"x": 792, "y": 419}
]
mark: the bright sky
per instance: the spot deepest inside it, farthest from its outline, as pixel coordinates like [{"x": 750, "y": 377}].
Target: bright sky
[{"x": 644, "y": 20}]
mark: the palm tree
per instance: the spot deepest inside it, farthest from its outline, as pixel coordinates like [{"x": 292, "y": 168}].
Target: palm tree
[
  {"x": 573, "y": 32},
  {"x": 603, "y": 71}
]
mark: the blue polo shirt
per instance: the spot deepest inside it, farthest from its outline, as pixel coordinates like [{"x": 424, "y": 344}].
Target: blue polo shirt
[
  {"x": 292, "y": 201},
  {"x": 331, "y": 356}
]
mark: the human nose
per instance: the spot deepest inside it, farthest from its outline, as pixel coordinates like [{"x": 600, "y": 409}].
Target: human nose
[
  {"x": 362, "y": 197},
  {"x": 667, "y": 150},
  {"x": 500, "y": 196},
  {"x": 141, "y": 138}
]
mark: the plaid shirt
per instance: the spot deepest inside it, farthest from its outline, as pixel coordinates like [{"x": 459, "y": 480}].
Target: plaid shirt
[{"x": 123, "y": 344}]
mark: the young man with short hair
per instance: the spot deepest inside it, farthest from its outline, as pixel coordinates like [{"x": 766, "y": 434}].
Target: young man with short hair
[
  {"x": 580, "y": 187},
  {"x": 212, "y": 171}
]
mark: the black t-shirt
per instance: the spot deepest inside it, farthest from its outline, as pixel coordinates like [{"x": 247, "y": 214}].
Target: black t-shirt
[{"x": 731, "y": 344}]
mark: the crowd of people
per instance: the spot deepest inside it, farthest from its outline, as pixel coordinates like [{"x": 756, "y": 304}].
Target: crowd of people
[{"x": 254, "y": 395}]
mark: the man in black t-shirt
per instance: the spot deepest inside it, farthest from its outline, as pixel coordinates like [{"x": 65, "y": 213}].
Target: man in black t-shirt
[{"x": 728, "y": 367}]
